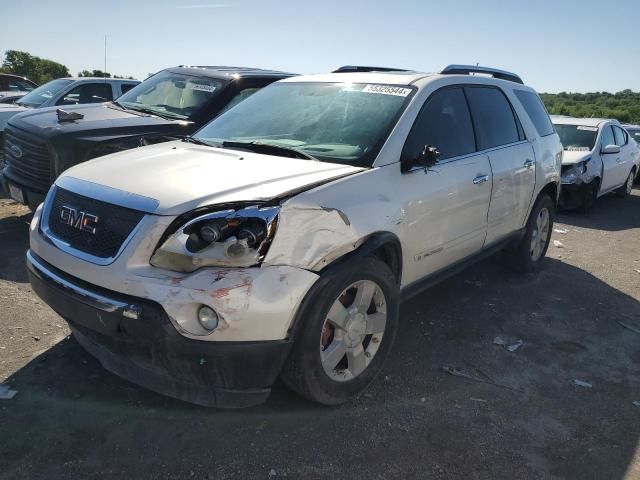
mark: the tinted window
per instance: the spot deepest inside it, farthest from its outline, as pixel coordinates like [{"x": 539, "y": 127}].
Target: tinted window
[
  {"x": 240, "y": 96},
  {"x": 621, "y": 136},
  {"x": 125, "y": 87},
  {"x": 444, "y": 123},
  {"x": 492, "y": 116},
  {"x": 87, "y": 93},
  {"x": 607, "y": 137},
  {"x": 635, "y": 133},
  {"x": 536, "y": 111}
]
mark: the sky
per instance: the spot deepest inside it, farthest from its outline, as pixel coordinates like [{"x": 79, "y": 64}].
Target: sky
[{"x": 561, "y": 45}]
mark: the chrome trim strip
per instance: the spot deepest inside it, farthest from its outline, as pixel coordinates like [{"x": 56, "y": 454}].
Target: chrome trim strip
[
  {"x": 65, "y": 247},
  {"x": 92, "y": 299},
  {"x": 108, "y": 194}
]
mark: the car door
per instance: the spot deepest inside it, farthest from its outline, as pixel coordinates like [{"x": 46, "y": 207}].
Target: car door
[
  {"x": 446, "y": 207},
  {"x": 626, "y": 159},
  {"x": 511, "y": 156},
  {"x": 610, "y": 161}
]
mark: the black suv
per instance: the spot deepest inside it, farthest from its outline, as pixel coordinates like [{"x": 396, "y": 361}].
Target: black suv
[{"x": 40, "y": 144}]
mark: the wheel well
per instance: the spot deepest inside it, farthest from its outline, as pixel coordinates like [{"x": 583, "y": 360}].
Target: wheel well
[
  {"x": 383, "y": 245},
  {"x": 550, "y": 189}
]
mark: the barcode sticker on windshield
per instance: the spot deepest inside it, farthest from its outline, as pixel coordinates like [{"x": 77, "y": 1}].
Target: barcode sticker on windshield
[
  {"x": 589, "y": 129},
  {"x": 200, "y": 87},
  {"x": 387, "y": 90}
]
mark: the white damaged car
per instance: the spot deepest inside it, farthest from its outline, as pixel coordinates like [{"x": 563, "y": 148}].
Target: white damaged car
[
  {"x": 599, "y": 157},
  {"x": 280, "y": 239}
]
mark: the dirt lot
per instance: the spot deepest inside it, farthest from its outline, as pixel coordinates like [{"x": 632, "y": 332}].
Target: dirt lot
[{"x": 71, "y": 419}]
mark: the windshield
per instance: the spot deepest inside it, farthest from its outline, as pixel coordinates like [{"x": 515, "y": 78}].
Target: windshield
[
  {"x": 333, "y": 122},
  {"x": 37, "y": 97},
  {"x": 577, "y": 138},
  {"x": 172, "y": 94}
]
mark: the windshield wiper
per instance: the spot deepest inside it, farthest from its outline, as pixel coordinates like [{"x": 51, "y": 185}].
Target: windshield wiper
[
  {"x": 151, "y": 111},
  {"x": 118, "y": 104},
  {"x": 198, "y": 141},
  {"x": 269, "y": 149}
]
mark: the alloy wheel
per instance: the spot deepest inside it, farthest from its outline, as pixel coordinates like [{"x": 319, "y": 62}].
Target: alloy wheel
[
  {"x": 540, "y": 234},
  {"x": 353, "y": 330}
]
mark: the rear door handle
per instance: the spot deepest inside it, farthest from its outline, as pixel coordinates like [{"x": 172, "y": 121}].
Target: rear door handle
[
  {"x": 480, "y": 179},
  {"x": 528, "y": 163}
]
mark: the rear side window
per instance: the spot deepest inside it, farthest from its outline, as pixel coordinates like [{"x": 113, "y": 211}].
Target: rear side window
[
  {"x": 621, "y": 136},
  {"x": 536, "y": 111},
  {"x": 493, "y": 117},
  {"x": 444, "y": 122},
  {"x": 125, "y": 87}
]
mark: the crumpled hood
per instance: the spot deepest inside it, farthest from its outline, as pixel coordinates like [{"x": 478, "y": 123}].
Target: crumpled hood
[
  {"x": 8, "y": 110},
  {"x": 571, "y": 157},
  {"x": 183, "y": 176},
  {"x": 100, "y": 120}
]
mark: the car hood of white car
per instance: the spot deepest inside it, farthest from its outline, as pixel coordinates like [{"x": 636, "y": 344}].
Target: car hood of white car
[
  {"x": 8, "y": 110},
  {"x": 183, "y": 176},
  {"x": 571, "y": 157}
]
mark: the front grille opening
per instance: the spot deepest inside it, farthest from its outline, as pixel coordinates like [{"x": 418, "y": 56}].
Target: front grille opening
[
  {"x": 113, "y": 224},
  {"x": 32, "y": 167}
]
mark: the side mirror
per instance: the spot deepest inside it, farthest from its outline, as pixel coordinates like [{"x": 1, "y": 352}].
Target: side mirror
[
  {"x": 428, "y": 157},
  {"x": 611, "y": 149}
]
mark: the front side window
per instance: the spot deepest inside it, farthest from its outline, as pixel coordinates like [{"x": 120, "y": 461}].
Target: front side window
[
  {"x": 444, "y": 123},
  {"x": 493, "y": 117},
  {"x": 536, "y": 111},
  {"x": 607, "y": 137},
  {"x": 620, "y": 136},
  {"x": 171, "y": 94},
  {"x": 87, "y": 93},
  {"x": 577, "y": 138},
  {"x": 334, "y": 122},
  {"x": 43, "y": 93}
]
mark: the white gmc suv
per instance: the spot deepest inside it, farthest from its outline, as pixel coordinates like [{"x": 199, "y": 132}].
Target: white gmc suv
[{"x": 280, "y": 239}]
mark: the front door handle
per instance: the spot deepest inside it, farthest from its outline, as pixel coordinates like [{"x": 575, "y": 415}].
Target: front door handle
[
  {"x": 529, "y": 163},
  {"x": 480, "y": 179},
  {"x": 618, "y": 160}
]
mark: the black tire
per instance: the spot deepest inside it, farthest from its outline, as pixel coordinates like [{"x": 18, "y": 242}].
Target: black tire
[
  {"x": 519, "y": 254},
  {"x": 590, "y": 197},
  {"x": 624, "y": 191},
  {"x": 303, "y": 371}
]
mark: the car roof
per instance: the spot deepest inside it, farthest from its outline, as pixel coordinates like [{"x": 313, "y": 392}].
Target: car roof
[
  {"x": 98, "y": 79},
  {"x": 390, "y": 78},
  {"x": 630, "y": 125},
  {"x": 587, "y": 122},
  {"x": 230, "y": 72}
]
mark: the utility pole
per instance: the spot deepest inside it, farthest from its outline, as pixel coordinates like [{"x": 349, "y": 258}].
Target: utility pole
[{"x": 105, "y": 56}]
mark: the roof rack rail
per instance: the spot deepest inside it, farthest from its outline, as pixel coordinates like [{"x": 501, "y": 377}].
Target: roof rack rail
[
  {"x": 494, "y": 72},
  {"x": 361, "y": 68}
]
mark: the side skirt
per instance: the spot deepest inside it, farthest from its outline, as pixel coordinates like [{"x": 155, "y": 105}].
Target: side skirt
[{"x": 423, "y": 284}]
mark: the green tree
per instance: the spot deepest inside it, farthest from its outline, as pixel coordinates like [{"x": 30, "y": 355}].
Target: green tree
[{"x": 40, "y": 70}]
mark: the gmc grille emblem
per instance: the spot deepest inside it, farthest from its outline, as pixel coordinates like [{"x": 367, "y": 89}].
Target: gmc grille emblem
[{"x": 79, "y": 219}]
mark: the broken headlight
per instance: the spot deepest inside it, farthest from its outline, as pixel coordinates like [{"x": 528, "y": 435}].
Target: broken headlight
[
  {"x": 229, "y": 238},
  {"x": 574, "y": 173}
]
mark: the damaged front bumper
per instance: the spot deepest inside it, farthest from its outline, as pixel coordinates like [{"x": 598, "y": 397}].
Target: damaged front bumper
[{"x": 135, "y": 339}]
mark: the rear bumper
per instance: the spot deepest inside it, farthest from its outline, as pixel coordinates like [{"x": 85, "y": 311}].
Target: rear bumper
[{"x": 134, "y": 338}]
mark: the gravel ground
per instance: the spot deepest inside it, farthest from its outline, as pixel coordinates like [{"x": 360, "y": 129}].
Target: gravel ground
[{"x": 73, "y": 420}]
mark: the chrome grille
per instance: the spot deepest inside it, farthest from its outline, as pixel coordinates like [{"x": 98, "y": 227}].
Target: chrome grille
[
  {"x": 33, "y": 166},
  {"x": 113, "y": 226}
]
